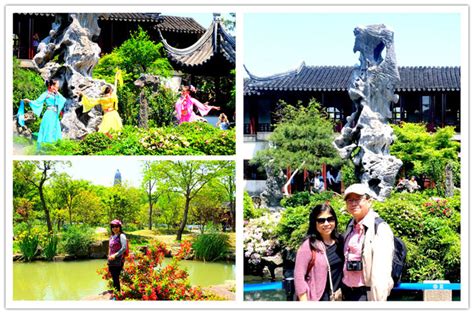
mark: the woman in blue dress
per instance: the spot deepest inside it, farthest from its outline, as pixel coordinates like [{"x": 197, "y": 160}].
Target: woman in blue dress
[{"x": 50, "y": 128}]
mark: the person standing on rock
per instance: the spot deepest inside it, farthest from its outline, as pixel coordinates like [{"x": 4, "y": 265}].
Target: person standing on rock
[
  {"x": 50, "y": 127},
  {"x": 185, "y": 105},
  {"x": 117, "y": 248},
  {"x": 109, "y": 102},
  {"x": 319, "y": 260}
]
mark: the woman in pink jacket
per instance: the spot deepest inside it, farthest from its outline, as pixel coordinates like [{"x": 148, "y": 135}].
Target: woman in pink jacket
[
  {"x": 184, "y": 107},
  {"x": 319, "y": 260}
]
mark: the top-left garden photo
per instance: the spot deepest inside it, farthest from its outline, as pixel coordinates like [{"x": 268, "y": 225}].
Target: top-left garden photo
[{"x": 123, "y": 84}]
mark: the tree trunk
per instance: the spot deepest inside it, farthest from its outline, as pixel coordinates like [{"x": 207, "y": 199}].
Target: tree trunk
[
  {"x": 45, "y": 208},
  {"x": 185, "y": 218},
  {"x": 150, "y": 212},
  {"x": 70, "y": 214}
]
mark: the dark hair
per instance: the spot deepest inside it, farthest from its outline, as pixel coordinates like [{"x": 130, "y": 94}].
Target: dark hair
[
  {"x": 112, "y": 232},
  {"x": 107, "y": 90},
  {"x": 189, "y": 88},
  {"x": 51, "y": 82},
  {"x": 313, "y": 233}
]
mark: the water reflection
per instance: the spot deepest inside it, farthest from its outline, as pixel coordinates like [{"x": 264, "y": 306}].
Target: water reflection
[{"x": 78, "y": 279}]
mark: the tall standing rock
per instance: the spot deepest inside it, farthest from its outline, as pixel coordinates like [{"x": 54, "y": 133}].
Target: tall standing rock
[
  {"x": 372, "y": 92},
  {"x": 69, "y": 54}
]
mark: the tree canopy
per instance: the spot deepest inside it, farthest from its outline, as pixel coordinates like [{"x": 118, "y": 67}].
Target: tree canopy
[{"x": 302, "y": 134}]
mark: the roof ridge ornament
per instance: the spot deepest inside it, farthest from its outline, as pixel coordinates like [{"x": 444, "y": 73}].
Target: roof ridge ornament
[{"x": 301, "y": 67}]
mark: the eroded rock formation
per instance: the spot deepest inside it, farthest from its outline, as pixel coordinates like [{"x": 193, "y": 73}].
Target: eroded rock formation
[
  {"x": 69, "y": 54},
  {"x": 372, "y": 92}
]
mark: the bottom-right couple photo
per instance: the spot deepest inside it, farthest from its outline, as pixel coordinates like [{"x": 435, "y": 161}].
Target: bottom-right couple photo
[{"x": 353, "y": 174}]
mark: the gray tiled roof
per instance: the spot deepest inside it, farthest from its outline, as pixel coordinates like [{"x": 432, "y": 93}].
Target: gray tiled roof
[
  {"x": 131, "y": 17},
  {"x": 180, "y": 25},
  {"x": 215, "y": 43},
  {"x": 168, "y": 23},
  {"x": 337, "y": 78}
]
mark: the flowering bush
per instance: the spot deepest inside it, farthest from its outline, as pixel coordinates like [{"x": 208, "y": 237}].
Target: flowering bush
[
  {"x": 184, "y": 139},
  {"x": 438, "y": 207},
  {"x": 259, "y": 237},
  {"x": 144, "y": 277}
]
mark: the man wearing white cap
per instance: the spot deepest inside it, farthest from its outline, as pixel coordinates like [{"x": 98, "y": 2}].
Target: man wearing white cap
[{"x": 368, "y": 250}]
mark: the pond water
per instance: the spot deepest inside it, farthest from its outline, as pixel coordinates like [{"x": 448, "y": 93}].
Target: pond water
[{"x": 78, "y": 279}]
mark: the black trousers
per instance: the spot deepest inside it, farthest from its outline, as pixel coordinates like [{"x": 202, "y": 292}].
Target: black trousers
[
  {"x": 115, "y": 272},
  {"x": 354, "y": 294}
]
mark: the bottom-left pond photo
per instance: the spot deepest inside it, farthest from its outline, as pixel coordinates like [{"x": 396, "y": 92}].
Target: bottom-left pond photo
[{"x": 121, "y": 229}]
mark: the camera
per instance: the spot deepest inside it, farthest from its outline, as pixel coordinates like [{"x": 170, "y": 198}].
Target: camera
[{"x": 354, "y": 265}]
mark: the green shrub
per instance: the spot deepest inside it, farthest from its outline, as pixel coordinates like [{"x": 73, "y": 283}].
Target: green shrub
[
  {"x": 403, "y": 212},
  {"x": 427, "y": 153},
  {"x": 29, "y": 246},
  {"x": 249, "y": 209},
  {"x": 185, "y": 139},
  {"x": 348, "y": 174},
  {"x": 26, "y": 84},
  {"x": 50, "y": 247},
  {"x": 297, "y": 199},
  {"x": 94, "y": 143},
  {"x": 211, "y": 246},
  {"x": 293, "y": 218},
  {"x": 430, "y": 229},
  {"x": 76, "y": 240}
]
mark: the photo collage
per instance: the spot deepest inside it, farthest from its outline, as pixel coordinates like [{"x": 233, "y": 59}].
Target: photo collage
[{"x": 236, "y": 156}]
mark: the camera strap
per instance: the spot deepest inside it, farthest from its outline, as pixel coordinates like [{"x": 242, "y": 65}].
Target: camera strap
[{"x": 330, "y": 275}]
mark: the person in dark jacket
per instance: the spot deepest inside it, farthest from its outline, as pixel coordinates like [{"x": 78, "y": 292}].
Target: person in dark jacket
[{"x": 117, "y": 247}]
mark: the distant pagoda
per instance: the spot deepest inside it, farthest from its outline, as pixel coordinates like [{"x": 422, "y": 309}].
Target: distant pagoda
[{"x": 118, "y": 178}]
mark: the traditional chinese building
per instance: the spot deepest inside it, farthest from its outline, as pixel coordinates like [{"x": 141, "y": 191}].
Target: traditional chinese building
[
  {"x": 115, "y": 29},
  {"x": 212, "y": 55},
  {"x": 430, "y": 95}
]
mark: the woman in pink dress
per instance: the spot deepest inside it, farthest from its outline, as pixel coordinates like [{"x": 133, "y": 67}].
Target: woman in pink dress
[{"x": 184, "y": 106}]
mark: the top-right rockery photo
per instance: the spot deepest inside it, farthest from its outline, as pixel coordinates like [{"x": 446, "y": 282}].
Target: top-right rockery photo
[{"x": 352, "y": 165}]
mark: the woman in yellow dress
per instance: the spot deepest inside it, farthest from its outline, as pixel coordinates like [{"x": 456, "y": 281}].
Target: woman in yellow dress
[{"x": 109, "y": 103}]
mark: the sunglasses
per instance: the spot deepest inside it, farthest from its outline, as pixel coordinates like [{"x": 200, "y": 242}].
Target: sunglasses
[
  {"x": 327, "y": 219},
  {"x": 115, "y": 226}
]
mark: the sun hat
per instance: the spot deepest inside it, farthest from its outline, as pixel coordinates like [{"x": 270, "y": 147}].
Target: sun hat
[
  {"x": 358, "y": 188},
  {"x": 116, "y": 222}
]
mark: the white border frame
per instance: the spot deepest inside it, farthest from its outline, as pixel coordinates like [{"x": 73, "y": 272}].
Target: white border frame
[{"x": 240, "y": 7}]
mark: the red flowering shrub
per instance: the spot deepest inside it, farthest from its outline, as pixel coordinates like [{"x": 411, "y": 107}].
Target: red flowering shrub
[
  {"x": 438, "y": 207},
  {"x": 144, "y": 278}
]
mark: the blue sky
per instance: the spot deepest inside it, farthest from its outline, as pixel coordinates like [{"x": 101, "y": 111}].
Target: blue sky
[
  {"x": 279, "y": 42},
  {"x": 101, "y": 171}
]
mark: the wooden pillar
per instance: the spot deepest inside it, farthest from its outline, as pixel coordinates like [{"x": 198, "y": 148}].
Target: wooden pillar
[{"x": 30, "y": 47}]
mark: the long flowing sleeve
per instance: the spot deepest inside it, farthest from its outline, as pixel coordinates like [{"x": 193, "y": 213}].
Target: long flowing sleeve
[
  {"x": 37, "y": 105},
  {"x": 60, "y": 101},
  {"x": 177, "y": 111},
  {"x": 203, "y": 109},
  {"x": 88, "y": 102},
  {"x": 123, "y": 243}
]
